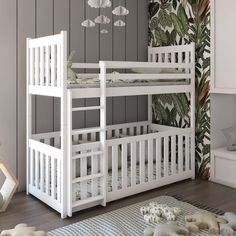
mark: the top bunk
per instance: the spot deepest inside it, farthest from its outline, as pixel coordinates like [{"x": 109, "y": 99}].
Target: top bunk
[{"x": 49, "y": 73}]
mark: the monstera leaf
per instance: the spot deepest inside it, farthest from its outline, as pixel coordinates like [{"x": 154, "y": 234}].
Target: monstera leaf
[
  {"x": 164, "y": 18},
  {"x": 177, "y": 24},
  {"x": 183, "y": 18},
  {"x": 153, "y": 9},
  {"x": 154, "y": 23}
]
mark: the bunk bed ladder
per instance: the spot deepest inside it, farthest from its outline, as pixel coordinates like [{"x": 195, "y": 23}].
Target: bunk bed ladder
[{"x": 94, "y": 149}]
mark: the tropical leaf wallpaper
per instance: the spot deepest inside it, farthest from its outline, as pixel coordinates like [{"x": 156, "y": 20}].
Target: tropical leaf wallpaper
[{"x": 175, "y": 22}]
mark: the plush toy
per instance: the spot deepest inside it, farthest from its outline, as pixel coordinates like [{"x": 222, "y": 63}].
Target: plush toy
[
  {"x": 153, "y": 212},
  {"x": 167, "y": 229},
  {"x": 203, "y": 220},
  {"x": 22, "y": 230},
  {"x": 71, "y": 75},
  {"x": 230, "y": 227}
]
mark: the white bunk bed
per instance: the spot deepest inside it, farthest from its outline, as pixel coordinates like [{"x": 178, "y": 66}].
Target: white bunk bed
[{"x": 72, "y": 170}]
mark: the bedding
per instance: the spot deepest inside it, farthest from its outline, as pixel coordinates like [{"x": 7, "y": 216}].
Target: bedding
[
  {"x": 94, "y": 82},
  {"x": 76, "y": 187}
]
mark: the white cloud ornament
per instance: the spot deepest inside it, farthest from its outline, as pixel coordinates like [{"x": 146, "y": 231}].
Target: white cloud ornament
[
  {"x": 119, "y": 23},
  {"x": 88, "y": 23},
  {"x": 120, "y": 11},
  {"x": 99, "y": 3},
  {"x": 104, "y": 31},
  {"x": 102, "y": 20}
]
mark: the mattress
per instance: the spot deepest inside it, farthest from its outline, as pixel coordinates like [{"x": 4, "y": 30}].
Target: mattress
[
  {"x": 76, "y": 187},
  {"x": 94, "y": 82},
  {"x": 129, "y": 84}
]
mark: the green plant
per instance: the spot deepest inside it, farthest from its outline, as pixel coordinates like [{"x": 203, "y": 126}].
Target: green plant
[{"x": 175, "y": 22}]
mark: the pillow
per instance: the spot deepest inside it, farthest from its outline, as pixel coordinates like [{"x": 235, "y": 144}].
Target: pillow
[{"x": 155, "y": 70}]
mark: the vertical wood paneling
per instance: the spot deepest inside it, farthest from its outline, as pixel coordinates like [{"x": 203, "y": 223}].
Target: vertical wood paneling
[
  {"x": 119, "y": 46},
  {"x": 142, "y": 36},
  {"x": 8, "y": 82},
  {"x": 44, "y": 105},
  {"x": 106, "y": 44},
  {"x": 92, "y": 55},
  {"x": 131, "y": 54},
  {"x": 77, "y": 43},
  {"x": 61, "y": 22},
  {"x": 26, "y": 28}
]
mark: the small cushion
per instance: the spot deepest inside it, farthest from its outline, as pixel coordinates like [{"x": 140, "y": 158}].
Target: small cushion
[{"x": 155, "y": 70}]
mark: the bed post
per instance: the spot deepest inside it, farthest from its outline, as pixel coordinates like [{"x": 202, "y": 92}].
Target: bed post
[
  {"x": 150, "y": 59},
  {"x": 102, "y": 65},
  {"x": 28, "y": 114},
  {"x": 64, "y": 123},
  {"x": 192, "y": 107}
]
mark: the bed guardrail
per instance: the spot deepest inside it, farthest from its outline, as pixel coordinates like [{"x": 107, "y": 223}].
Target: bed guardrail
[{"x": 46, "y": 64}]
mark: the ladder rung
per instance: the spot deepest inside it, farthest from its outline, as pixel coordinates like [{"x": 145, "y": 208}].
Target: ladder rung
[
  {"x": 86, "y": 131},
  {"x": 86, "y": 201},
  {"x": 86, "y": 178},
  {"x": 87, "y": 154},
  {"x": 87, "y": 108}
]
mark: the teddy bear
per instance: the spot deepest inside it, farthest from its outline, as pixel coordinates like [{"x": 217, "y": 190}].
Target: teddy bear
[
  {"x": 203, "y": 220},
  {"x": 230, "y": 227},
  {"x": 167, "y": 229},
  {"x": 153, "y": 212},
  {"x": 22, "y": 230},
  {"x": 71, "y": 75}
]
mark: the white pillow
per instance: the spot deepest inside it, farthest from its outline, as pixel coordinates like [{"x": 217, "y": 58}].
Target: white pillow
[{"x": 155, "y": 70}]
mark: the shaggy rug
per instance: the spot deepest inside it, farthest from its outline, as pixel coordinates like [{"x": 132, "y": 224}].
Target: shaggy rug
[{"x": 127, "y": 221}]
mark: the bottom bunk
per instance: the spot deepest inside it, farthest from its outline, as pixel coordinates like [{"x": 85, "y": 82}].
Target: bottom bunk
[{"x": 139, "y": 156}]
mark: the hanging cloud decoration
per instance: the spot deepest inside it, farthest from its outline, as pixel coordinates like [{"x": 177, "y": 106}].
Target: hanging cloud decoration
[
  {"x": 88, "y": 23},
  {"x": 120, "y": 11},
  {"x": 102, "y": 20},
  {"x": 104, "y": 31},
  {"x": 99, "y": 3},
  {"x": 119, "y": 23}
]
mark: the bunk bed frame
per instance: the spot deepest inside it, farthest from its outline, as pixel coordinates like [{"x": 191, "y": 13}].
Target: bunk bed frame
[{"x": 141, "y": 155}]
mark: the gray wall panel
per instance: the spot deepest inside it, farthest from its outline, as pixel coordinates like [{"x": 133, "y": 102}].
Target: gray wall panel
[
  {"x": 142, "y": 51},
  {"x": 77, "y": 43},
  {"x": 132, "y": 54},
  {"x": 8, "y": 83},
  {"x": 61, "y": 22},
  {"x": 44, "y": 27},
  {"x": 119, "y": 47},
  {"x": 26, "y": 28}
]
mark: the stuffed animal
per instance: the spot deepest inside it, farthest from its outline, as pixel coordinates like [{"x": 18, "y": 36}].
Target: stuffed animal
[
  {"x": 153, "y": 212},
  {"x": 167, "y": 229},
  {"x": 22, "y": 230},
  {"x": 230, "y": 227},
  {"x": 203, "y": 220},
  {"x": 71, "y": 75}
]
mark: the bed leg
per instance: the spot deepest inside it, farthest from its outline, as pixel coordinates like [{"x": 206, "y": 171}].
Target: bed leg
[
  {"x": 104, "y": 204},
  {"x": 63, "y": 215}
]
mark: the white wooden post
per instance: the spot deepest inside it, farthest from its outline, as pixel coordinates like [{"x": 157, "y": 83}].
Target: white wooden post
[
  {"x": 28, "y": 112},
  {"x": 64, "y": 133},
  {"x": 102, "y": 65},
  {"x": 69, "y": 152},
  {"x": 192, "y": 109}
]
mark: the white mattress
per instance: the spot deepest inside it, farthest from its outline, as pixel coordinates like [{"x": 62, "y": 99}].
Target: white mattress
[{"x": 129, "y": 84}]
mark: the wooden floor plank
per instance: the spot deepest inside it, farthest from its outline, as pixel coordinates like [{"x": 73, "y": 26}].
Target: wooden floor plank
[{"x": 27, "y": 209}]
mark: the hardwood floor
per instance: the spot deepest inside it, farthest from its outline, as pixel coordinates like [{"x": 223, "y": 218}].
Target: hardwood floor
[{"x": 27, "y": 209}]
